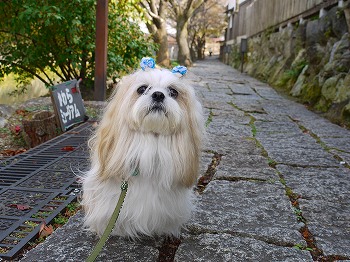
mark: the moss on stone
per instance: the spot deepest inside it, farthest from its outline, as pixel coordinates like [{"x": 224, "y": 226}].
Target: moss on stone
[
  {"x": 346, "y": 114},
  {"x": 323, "y": 105},
  {"x": 329, "y": 90},
  {"x": 311, "y": 92}
]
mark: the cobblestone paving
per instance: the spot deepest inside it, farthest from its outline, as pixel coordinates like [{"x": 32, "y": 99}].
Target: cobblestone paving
[{"x": 279, "y": 188}]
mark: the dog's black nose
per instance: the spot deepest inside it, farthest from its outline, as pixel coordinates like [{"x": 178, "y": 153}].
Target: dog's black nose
[{"x": 158, "y": 96}]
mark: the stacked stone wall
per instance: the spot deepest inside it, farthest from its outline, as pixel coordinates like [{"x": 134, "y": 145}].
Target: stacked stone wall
[{"x": 309, "y": 61}]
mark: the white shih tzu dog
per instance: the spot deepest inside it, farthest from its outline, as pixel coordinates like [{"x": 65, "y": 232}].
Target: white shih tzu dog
[{"x": 152, "y": 127}]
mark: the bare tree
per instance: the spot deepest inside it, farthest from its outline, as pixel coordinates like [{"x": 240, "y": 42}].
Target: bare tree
[
  {"x": 182, "y": 12},
  {"x": 208, "y": 21},
  {"x": 156, "y": 12}
]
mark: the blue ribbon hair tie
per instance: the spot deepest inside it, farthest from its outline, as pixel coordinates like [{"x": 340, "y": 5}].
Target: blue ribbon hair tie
[
  {"x": 180, "y": 69},
  {"x": 147, "y": 62}
]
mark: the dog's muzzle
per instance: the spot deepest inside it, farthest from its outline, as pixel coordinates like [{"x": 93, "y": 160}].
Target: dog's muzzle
[
  {"x": 158, "y": 96},
  {"x": 157, "y": 102}
]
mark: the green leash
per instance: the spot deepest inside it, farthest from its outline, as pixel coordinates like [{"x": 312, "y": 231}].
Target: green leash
[{"x": 94, "y": 254}]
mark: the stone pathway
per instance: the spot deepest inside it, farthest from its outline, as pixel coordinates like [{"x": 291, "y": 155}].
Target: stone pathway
[{"x": 275, "y": 184}]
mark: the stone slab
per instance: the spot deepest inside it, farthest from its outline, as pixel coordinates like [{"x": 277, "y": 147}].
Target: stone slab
[
  {"x": 229, "y": 115},
  {"x": 213, "y": 104},
  {"x": 302, "y": 157},
  {"x": 287, "y": 140},
  {"x": 234, "y": 143},
  {"x": 326, "y": 184},
  {"x": 344, "y": 156},
  {"x": 325, "y": 204},
  {"x": 339, "y": 143},
  {"x": 212, "y": 96},
  {"x": 71, "y": 243},
  {"x": 329, "y": 223},
  {"x": 269, "y": 118},
  {"x": 267, "y": 93},
  {"x": 279, "y": 107},
  {"x": 229, "y": 128},
  {"x": 241, "y": 89},
  {"x": 248, "y": 104},
  {"x": 323, "y": 127},
  {"x": 332, "y": 239},
  {"x": 225, "y": 247},
  {"x": 258, "y": 209},
  {"x": 243, "y": 159},
  {"x": 229, "y": 173},
  {"x": 277, "y": 127}
]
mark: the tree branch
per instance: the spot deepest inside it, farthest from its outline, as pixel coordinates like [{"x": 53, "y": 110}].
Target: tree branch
[
  {"x": 64, "y": 72},
  {"x": 149, "y": 11},
  {"x": 47, "y": 77},
  {"x": 175, "y": 6},
  {"x": 30, "y": 72},
  {"x": 152, "y": 6},
  {"x": 53, "y": 69},
  {"x": 191, "y": 7}
]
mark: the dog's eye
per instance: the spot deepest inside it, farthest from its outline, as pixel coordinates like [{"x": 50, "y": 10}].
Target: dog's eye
[
  {"x": 141, "y": 89},
  {"x": 173, "y": 92}
]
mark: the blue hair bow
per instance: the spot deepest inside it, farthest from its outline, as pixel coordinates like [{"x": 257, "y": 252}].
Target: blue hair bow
[
  {"x": 147, "y": 62},
  {"x": 180, "y": 69}
]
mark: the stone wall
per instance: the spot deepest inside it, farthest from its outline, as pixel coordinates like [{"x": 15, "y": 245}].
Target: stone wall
[{"x": 309, "y": 61}]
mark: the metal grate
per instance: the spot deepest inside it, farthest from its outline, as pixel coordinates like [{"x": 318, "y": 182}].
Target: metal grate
[{"x": 43, "y": 180}]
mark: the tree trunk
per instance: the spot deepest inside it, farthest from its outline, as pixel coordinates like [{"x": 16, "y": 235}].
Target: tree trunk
[
  {"x": 39, "y": 127},
  {"x": 193, "y": 54},
  {"x": 157, "y": 13},
  {"x": 184, "y": 55},
  {"x": 161, "y": 37},
  {"x": 201, "y": 46}
]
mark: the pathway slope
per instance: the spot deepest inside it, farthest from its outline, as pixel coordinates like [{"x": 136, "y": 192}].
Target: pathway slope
[{"x": 275, "y": 183}]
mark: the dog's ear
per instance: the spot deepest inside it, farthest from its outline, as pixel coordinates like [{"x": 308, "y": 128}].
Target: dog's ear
[
  {"x": 192, "y": 140},
  {"x": 106, "y": 159}
]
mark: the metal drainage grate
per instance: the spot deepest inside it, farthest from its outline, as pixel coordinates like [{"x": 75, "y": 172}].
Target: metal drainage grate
[{"x": 44, "y": 181}]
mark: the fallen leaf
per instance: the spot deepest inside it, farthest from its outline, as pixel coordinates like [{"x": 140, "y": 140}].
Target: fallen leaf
[
  {"x": 45, "y": 230},
  {"x": 19, "y": 151},
  {"x": 20, "y": 207},
  {"x": 68, "y": 148},
  {"x": 17, "y": 129},
  {"x": 306, "y": 234},
  {"x": 12, "y": 152},
  {"x": 21, "y": 112}
]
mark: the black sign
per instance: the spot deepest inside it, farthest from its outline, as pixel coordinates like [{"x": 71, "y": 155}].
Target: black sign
[
  {"x": 68, "y": 103},
  {"x": 244, "y": 45}
]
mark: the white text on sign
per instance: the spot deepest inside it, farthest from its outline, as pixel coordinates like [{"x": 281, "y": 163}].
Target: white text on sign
[{"x": 65, "y": 99}]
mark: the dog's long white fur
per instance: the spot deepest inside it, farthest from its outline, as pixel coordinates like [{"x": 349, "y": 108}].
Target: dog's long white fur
[{"x": 163, "y": 146}]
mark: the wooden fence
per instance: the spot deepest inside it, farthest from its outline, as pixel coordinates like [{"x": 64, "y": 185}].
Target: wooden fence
[{"x": 255, "y": 16}]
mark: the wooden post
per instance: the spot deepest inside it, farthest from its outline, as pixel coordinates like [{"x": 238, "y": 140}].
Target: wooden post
[{"x": 101, "y": 50}]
